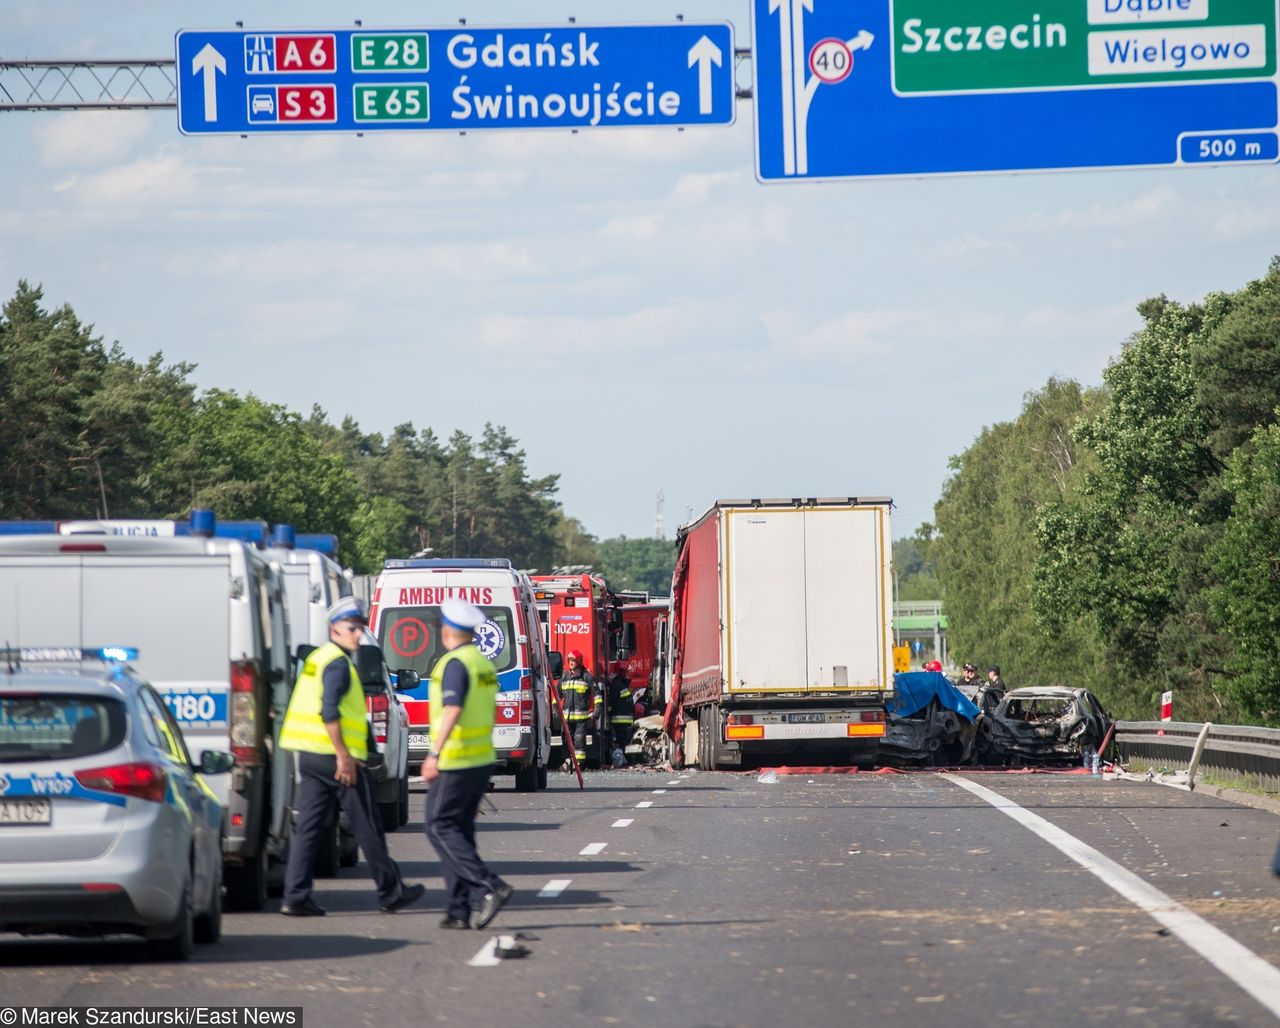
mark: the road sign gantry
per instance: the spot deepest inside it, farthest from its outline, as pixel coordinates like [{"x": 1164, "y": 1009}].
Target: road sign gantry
[
  {"x": 927, "y": 87},
  {"x": 455, "y": 79}
]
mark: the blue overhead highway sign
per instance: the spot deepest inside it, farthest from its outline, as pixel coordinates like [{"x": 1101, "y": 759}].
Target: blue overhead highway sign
[
  {"x": 459, "y": 79},
  {"x": 935, "y": 87}
]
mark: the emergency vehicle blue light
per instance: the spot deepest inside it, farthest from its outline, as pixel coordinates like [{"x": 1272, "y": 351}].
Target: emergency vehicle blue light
[
  {"x": 253, "y": 532},
  {"x": 68, "y": 654},
  {"x": 447, "y": 562},
  {"x": 323, "y": 542},
  {"x": 28, "y": 528},
  {"x": 284, "y": 536},
  {"x": 117, "y": 654},
  {"x": 202, "y": 523}
]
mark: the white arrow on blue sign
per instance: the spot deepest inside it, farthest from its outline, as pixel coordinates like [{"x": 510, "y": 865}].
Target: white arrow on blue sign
[
  {"x": 848, "y": 89},
  {"x": 455, "y": 79}
]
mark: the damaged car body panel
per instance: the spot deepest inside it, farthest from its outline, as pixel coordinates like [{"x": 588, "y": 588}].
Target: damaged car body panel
[
  {"x": 1051, "y": 725},
  {"x": 929, "y": 723}
]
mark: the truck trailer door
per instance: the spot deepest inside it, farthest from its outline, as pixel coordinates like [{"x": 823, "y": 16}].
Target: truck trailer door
[
  {"x": 765, "y": 599},
  {"x": 844, "y": 597}
]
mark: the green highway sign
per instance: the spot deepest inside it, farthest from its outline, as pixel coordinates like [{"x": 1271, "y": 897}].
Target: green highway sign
[{"x": 946, "y": 46}]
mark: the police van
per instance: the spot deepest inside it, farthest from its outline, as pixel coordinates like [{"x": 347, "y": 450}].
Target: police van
[
  {"x": 313, "y": 583},
  {"x": 405, "y": 617},
  {"x": 208, "y": 618}
]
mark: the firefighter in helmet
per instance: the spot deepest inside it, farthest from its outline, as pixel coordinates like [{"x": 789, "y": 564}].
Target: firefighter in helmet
[
  {"x": 581, "y": 701},
  {"x": 622, "y": 710}
]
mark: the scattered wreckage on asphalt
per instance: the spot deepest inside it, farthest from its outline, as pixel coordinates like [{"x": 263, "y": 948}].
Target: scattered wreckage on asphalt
[{"x": 934, "y": 723}]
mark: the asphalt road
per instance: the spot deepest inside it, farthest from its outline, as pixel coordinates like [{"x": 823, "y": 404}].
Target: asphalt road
[{"x": 654, "y": 898}]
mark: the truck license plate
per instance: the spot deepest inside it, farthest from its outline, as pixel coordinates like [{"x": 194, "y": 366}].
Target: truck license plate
[
  {"x": 806, "y": 719},
  {"x": 25, "y": 812},
  {"x": 419, "y": 740}
]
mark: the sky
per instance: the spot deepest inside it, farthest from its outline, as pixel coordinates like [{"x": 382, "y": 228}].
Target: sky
[{"x": 630, "y": 303}]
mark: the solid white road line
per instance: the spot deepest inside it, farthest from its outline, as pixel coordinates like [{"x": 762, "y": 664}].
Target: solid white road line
[
  {"x": 645, "y": 803},
  {"x": 659, "y": 792},
  {"x": 554, "y": 887},
  {"x": 488, "y": 956},
  {"x": 591, "y": 849},
  {"x": 1254, "y": 975},
  {"x": 622, "y": 822}
]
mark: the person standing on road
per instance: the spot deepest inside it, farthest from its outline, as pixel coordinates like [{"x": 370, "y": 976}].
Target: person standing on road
[
  {"x": 994, "y": 681},
  {"x": 622, "y": 712},
  {"x": 580, "y": 699},
  {"x": 463, "y": 695},
  {"x": 327, "y": 727}
]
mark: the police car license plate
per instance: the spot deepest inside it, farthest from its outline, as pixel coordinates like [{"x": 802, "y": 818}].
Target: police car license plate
[
  {"x": 25, "y": 812},
  {"x": 806, "y": 719}
]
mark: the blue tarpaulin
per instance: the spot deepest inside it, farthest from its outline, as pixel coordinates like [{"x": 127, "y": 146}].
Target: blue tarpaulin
[{"x": 914, "y": 689}]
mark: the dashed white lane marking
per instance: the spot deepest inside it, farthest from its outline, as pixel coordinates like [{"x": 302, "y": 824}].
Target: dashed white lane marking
[
  {"x": 591, "y": 849},
  {"x": 676, "y": 782},
  {"x": 645, "y": 803},
  {"x": 622, "y": 822},
  {"x": 488, "y": 955},
  {"x": 659, "y": 792},
  {"x": 554, "y": 887},
  {"x": 1239, "y": 963}
]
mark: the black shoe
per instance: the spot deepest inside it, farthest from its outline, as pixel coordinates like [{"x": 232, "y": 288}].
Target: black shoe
[
  {"x": 493, "y": 902},
  {"x": 408, "y": 894},
  {"x": 307, "y": 908},
  {"x": 454, "y": 922}
]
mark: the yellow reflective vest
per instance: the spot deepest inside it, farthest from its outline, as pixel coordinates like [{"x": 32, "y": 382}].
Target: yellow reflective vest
[
  {"x": 470, "y": 744},
  {"x": 304, "y": 729}
]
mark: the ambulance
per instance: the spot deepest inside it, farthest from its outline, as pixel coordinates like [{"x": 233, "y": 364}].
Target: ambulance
[{"x": 404, "y": 614}]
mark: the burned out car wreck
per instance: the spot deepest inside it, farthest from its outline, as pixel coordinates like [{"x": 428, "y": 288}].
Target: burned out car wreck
[
  {"x": 929, "y": 723},
  {"x": 1050, "y": 725}
]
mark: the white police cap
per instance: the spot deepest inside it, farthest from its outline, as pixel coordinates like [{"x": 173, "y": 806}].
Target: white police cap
[
  {"x": 349, "y": 608},
  {"x": 460, "y": 614}
]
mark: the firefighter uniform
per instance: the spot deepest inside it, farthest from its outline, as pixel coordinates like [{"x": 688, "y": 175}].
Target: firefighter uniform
[
  {"x": 581, "y": 701},
  {"x": 458, "y": 771},
  {"x": 622, "y": 708},
  {"x": 328, "y": 690}
]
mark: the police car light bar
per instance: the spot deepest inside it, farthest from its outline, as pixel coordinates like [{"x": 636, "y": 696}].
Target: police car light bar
[
  {"x": 446, "y": 562},
  {"x": 322, "y": 542},
  {"x": 28, "y": 528},
  {"x": 68, "y": 654}
]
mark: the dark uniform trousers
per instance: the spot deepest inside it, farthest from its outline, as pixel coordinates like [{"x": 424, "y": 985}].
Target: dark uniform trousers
[
  {"x": 315, "y": 808},
  {"x": 452, "y": 802}
]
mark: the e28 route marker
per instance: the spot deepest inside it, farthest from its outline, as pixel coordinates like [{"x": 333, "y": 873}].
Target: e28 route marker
[
  {"x": 939, "y": 87},
  {"x": 454, "y": 79}
]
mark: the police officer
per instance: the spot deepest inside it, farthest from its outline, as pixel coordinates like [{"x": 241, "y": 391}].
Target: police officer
[
  {"x": 622, "y": 710},
  {"x": 581, "y": 701},
  {"x": 462, "y": 694},
  {"x": 327, "y": 727}
]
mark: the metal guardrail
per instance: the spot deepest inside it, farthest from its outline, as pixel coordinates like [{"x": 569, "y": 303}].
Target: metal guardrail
[{"x": 1239, "y": 752}]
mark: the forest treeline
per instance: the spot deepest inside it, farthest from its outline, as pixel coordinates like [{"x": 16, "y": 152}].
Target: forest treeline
[
  {"x": 1126, "y": 537},
  {"x": 88, "y": 431}
]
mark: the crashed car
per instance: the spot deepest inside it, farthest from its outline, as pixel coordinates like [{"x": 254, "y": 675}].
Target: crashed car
[
  {"x": 649, "y": 743},
  {"x": 930, "y": 722},
  {"x": 1049, "y": 725}
]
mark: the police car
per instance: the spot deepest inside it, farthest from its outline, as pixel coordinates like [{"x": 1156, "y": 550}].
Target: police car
[{"x": 106, "y": 825}]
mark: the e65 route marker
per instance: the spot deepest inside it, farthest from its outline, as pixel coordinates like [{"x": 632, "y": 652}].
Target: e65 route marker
[
  {"x": 939, "y": 87},
  {"x": 454, "y": 79}
]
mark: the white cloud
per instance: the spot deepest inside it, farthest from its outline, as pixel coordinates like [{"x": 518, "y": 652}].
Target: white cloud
[{"x": 86, "y": 138}]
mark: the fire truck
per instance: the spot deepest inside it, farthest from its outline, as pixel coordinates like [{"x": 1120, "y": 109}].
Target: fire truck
[
  {"x": 579, "y": 612},
  {"x": 642, "y": 646}
]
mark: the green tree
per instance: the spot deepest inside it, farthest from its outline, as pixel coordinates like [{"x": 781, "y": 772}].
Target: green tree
[
  {"x": 915, "y": 568},
  {"x": 986, "y": 548},
  {"x": 638, "y": 564},
  {"x": 1128, "y": 552},
  {"x": 258, "y": 460},
  {"x": 1246, "y": 558}
]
